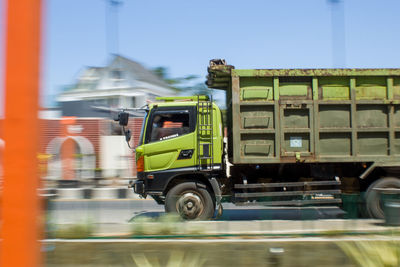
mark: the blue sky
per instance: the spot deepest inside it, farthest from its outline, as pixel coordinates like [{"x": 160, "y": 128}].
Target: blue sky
[{"x": 184, "y": 35}]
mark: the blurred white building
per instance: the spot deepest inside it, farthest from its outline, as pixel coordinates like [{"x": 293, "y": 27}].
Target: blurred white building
[{"x": 123, "y": 83}]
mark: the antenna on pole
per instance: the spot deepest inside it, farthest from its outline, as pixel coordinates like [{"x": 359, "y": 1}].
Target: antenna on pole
[
  {"x": 338, "y": 33},
  {"x": 112, "y": 37}
]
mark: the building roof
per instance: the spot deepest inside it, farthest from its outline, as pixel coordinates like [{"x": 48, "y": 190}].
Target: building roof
[
  {"x": 90, "y": 78},
  {"x": 141, "y": 73}
]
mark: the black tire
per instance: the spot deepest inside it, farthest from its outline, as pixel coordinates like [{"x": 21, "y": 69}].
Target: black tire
[
  {"x": 191, "y": 200},
  {"x": 373, "y": 199}
]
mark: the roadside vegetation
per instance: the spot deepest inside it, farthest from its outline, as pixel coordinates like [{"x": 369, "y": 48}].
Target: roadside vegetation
[
  {"x": 373, "y": 253},
  {"x": 74, "y": 231},
  {"x": 168, "y": 224},
  {"x": 176, "y": 258}
]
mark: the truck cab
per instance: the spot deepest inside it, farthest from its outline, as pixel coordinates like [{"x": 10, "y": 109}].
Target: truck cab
[{"x": 180, "y": 154}]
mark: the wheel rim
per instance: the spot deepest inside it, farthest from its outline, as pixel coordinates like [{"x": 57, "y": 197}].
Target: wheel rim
[
  {"x": 190, "y": 205},
  {"x": 378, "y": 206},
  {"x": 380, "y": 203}
]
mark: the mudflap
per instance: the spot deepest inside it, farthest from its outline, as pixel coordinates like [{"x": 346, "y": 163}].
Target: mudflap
[
  {"x": 220, "y": 211},
  {"x": 218, "y": 196}
]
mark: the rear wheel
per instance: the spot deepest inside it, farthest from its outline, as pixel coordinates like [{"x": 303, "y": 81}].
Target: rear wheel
[
  {"x": 372, "y": 197},
  {"x": 191, "y": 200}
]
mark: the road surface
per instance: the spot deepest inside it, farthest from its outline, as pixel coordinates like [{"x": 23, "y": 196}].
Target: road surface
[{"x": 123, "y": 211}]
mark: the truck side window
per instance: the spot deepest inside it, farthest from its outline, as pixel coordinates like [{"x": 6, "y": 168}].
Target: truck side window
[{"x": 169, "y": 125}]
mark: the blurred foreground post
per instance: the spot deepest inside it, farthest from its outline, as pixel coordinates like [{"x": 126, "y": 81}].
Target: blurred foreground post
[{"x": 20, "y": 203}]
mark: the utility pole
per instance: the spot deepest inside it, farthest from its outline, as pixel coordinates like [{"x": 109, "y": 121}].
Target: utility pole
[
  {"x": 20, "y": 208},
  {"x": 112, "y": 36},
  {"x": 338, "y": 33}
]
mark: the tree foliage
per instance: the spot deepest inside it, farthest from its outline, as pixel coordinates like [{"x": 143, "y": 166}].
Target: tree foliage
[
  {"x": 179, "y": 84},
  {"x": 187, "y": 85}
]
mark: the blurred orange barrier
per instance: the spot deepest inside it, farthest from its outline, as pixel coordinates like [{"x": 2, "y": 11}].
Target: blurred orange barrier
[{"x": 20, "y": 203}]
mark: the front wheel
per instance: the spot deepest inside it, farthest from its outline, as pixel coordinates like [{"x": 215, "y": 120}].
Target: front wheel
[
  {"x": 372, "y": 197},
  {"x": 191, "y": 200}
]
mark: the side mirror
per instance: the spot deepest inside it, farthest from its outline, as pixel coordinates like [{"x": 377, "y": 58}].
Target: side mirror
[
  {"x": 123, "y": 118},
  {"x": 128, "y": 135}
]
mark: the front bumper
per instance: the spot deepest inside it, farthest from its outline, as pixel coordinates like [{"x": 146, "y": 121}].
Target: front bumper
[{"x": 138, "y": 187}]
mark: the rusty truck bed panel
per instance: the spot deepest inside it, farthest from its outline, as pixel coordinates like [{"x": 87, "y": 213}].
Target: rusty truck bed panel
[{"x": 310, "y": 115}]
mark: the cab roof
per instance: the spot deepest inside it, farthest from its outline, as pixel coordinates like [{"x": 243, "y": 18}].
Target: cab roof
[
  {"x": 179, "y": 100},
  {"x": 183, "y": 98}
]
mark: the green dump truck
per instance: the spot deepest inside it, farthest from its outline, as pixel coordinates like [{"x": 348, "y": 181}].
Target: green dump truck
[{"x": 294, "y": 137}]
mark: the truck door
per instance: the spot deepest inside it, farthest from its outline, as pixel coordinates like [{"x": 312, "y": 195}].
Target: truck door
[{"x": 170, "y": 138}]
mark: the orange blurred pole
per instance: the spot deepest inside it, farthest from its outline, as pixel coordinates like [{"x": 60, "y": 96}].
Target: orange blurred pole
[{"x": 20, "y": 204}]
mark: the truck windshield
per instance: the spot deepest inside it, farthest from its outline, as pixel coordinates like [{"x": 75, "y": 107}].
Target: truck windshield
[
  {"x": 166, "y": 125},
  {"x": 169, "y": 122}
]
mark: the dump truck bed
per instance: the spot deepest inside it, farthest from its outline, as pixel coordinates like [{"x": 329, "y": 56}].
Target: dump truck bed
[{"x": 310, "y": 115}]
